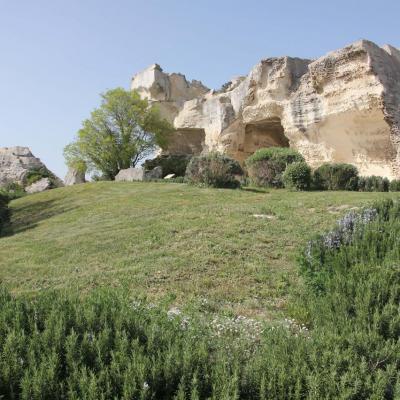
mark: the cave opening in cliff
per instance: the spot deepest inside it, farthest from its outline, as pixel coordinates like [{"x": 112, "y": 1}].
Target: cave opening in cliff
[
  {"x": 266, "y": 133},
  {"x": 187, "y": 141}
]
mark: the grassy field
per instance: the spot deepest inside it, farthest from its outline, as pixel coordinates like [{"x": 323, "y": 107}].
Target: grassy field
[{"x": 235, "y": 248}]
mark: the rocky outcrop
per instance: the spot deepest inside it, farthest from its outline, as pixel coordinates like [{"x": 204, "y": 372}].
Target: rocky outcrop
[
  {"x": 343, "y": 107},
  {"x": 74, "y": 177},
  {"x": 16, "y": 162}
]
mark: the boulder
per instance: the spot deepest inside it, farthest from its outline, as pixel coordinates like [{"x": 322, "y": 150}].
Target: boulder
[
  {"x": 74, "y": 177},
  {"x": 16, "y": 162},
  {"x": 138, "y": 174},
  {"x": 39, "y": 186},
  {"x": 155, "y": 173},
  {"x": 342, "y": 107},
  {"x": 130, "y": 175}
]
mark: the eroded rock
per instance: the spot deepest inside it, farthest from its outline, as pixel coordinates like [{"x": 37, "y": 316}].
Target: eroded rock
[
  {"x": 343, "y": 107},
  {"x": 16, "y": 162},
  {"x": 74, "y": 177}
]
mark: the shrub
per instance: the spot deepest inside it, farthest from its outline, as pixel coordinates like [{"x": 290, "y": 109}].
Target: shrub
[
  {"x": 395, "y": 185},
  {"x": 170, "y": 164},
  {"x": 373, "y": 184},
  {"x": 4, "y": 212},
  {"x": 297, "y": 176},
  {"x": 100, "y": 178},
  {"x": 338, "y": 176},
  {"x": 366, "y": 237},
  {"x": 214, "y": 170},
  {"x": 12, "y": 191},
  {"x": 266, "y": 166}
]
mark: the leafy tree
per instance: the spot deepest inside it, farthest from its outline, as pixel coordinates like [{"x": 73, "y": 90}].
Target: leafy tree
[{"x": 124, "y": 130}]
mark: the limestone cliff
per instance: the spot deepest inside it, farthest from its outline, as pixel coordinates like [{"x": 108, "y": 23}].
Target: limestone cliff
[{"x": 343, "y": 107}]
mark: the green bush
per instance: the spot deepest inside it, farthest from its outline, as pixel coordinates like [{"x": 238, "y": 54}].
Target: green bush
[
  {"x": 394, "y": 185},
  {"x": 266, "y": 166},
  {"x": 170, "y": 164},
  {"x": 4, "y": 213},
  {"x": 100, "y": 178},
  {"x": 297, "y": 176},
  {"x": 373, "y": 184},
  {"x": 214, "y": 170},
  {"x": 337, "y": 176},
  {"x": 12, "y": 191}
]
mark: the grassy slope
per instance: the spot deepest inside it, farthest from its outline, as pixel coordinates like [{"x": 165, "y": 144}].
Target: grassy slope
[{"x": 168, "y": 239}]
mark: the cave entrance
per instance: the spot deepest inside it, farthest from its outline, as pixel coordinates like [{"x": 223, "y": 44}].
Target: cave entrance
[
  {"x": 187, "y": 141},
  {"x": 266, "y": 133}
]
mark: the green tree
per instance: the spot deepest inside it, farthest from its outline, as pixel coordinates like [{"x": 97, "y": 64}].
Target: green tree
[{"x": 124, "y": 130}]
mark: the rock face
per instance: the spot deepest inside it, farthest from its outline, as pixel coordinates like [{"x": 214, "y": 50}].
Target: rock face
[
  {"x": 74, "y": 177},
  {"x": 39, "y": 186},
  {"x": 343, "y": 107},
  {"x": 15, "y": 162},
  {"x": 138, "y": 174}
]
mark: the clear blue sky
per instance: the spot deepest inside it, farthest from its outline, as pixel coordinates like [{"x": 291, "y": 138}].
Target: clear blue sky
[{"x": 57, "y": 56}]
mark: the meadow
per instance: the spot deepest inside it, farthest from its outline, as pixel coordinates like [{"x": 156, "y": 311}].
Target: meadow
[
  {"x": 332, "y": 331},
  {"x": 169, "y": 242}
]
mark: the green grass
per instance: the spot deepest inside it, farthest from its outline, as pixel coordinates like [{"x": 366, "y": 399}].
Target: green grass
[{"x": 169, "y": 240}]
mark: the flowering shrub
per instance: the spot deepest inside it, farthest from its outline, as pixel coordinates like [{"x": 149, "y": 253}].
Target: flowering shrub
[{"x": 333, "y": 250}]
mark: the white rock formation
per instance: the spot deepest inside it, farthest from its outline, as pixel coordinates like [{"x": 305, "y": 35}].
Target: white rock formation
[
  {"x": 39, "y": 186},
  {"x": 343, "y": 107},
  {"x": 74, "y": 177},
  {"x": 15, "y": 162},
  {"x": 138, "y": 174}
]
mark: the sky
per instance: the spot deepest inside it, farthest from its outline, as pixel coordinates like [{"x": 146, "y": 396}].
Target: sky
[{"x": 56, "y": 57}]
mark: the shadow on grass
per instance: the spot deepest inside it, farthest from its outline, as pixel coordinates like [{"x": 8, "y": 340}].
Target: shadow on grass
[
  {"x": 255, "y": 190},
  {"x": 29, "y": 216}
]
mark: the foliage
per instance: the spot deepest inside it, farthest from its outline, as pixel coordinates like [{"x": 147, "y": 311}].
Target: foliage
[
  {"x": 214, "y": 170},
  {"x": 373, "y": 184},
  {"x": 368, "y": 237},
  {"x": 12, "y": 191},
  {"x": 336, "y": 176},
  {"x": 297, "y": 176},
  {"x": 170, "y": 164},
  {"x": 4, "y": 212},
  {"x": 100, "y": 178},
  {"x": 124, "y": 130},
  {"x": 395, "y": 185},
  {"x": 35, "y": 174},
  {"x": 108, "y": 345},
  {"x": 266, "y": 166}
]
